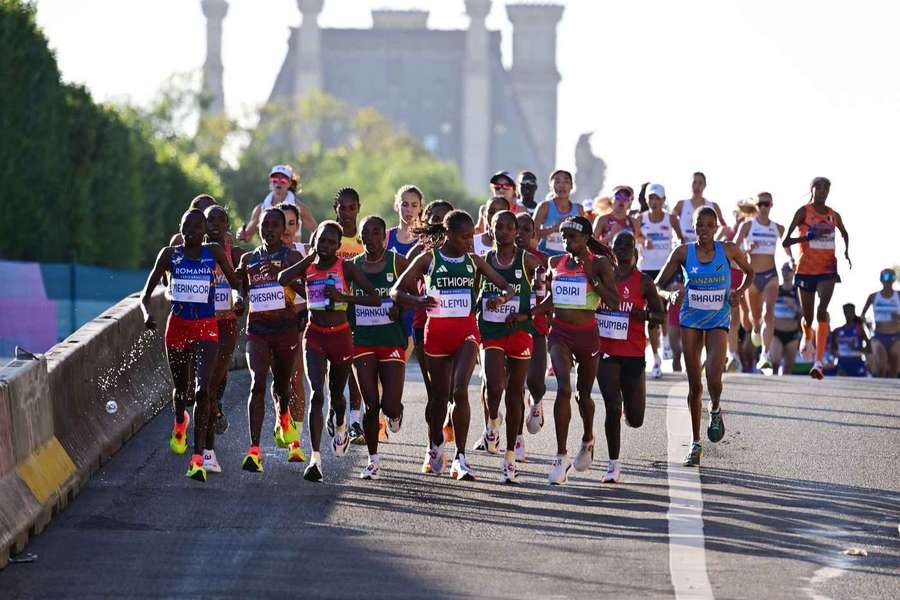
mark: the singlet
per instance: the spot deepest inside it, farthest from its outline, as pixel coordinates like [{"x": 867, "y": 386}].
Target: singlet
[
  {"x": 765, "y": 237},
  {"x": 787, "y": 305},
  {"x": 570, "y": 287},
  {"x": 608, "y": 228},
  {"x": 191, "y": 288},
  {"x": 686, "y": 219},
  {"x": 224, "y": 303},
  {"x": 299, "y": 300},
  {"x": 271, "y": 305},
  {"x": 539, "y": 322},
  {"x": 554, "y": 244},
  {"x": 290, "y": 198},
  {"x": 660, "y": 236},
  {"x": 817, "y": 255},
  {"x": 886, "y": 309},
  {"x": 372, "y": 325},
  {"x": 492, "y": 322},
  {"x": 620, "y": 333},
  {"x": 482, "y": 249},
  {"x": 317, "y": 278},
  {"x": 706, "y": 291},
  {"x": 351, "y": 247},
  {"x": 393, "y": 243},
  {"x": 849, "y": 341},
  {"x": 451, "y": 282}
]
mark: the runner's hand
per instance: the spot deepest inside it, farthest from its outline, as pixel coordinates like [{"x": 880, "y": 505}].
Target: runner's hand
[
  {"x": 150, "y": 322},
  {"x": 640, "y": 315},
  {"x": 735, "y": 298},
  {"x": 270, "y": 268},
  {"x": 494, "y": 302},
  {"x": 239, "y": 306},
  {"x": 426, "y": 302},
  {"x": 332, "y": 293},
  {"x": 847, "y": 256},
  {"x": 394, "y": 313},
  {"x": 514, "y": 318}
]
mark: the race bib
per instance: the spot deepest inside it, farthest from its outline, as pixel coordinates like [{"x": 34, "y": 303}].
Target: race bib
[
  {"x": 223, "y": 297},
  {"x": 823, "y": 241},
  {"x": 315, "y": 294},
  {"x": 369, "y": 316},
  {"x": 783, "y": 311},
  {"x": 613, "y": 325},
  {"x": 555, "y": 242},
  {"x": 265, "y": 297},
  {"x": 455, "y": 302},
  {"x": 848, "y": 350},
  {"x": 499, "y": 314},
  {"x": 884, "y": 315},
  {"x": 570, "y": 291},
  {"x": 706, "y": 299},
  {"x": 189, "y": 290}
]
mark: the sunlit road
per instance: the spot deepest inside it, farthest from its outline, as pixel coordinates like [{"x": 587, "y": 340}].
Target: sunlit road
[{"x": 806, "y": 472}]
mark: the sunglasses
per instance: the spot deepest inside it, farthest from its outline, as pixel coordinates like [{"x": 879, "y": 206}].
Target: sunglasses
[
  {"x": 761, "y": 204},
  {"x": 279, "y": 179},
  {"x": 502, "y": 186},
  {"x": 622, "y": 196}
]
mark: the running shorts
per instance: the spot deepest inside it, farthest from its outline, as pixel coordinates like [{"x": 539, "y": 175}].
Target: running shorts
[
  {"x": 852, "y": 367},
  {"x": 518, "y": 344},
  {"x": 444, "y": 336},
  {"x": 382, "y": 353},
  {"x": 181, "y": 333},
  {"x": 787, "y": 337},
  {"x": 761, "y": 280},
  {"x": 284, "y": 341},
  {"x": 630, "y": 367},
  {"x": 887, "y": 339},
  {"x": 809, "y": 283},
  {"x": 228, "y": 328},
  {"x": 419, "y": 335},
  {"x": 334, "y": 343},
  {"x": 583, "y": 341},
  {"x": 737, "y": 278}
]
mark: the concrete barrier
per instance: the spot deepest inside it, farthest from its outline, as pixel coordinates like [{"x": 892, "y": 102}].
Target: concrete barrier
[{"x": 55, "y": 431}]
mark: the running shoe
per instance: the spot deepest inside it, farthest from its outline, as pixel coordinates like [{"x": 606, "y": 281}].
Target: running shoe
[
  {"x": 461, "y": 471},
  {"x": 508, "y": 473},
  {"x": 426, "y": 464},
  {"x": 656, "y": 372},
  {"x": 613, "y": 473},
  {"x": 330, "y": 422},
  {"x": 437, "y": 459},
  {"x": 356, "y": 433},
  {"x": 693, "y": 457},
  {"x": 221, "y": 424},
  {"x": 817, "y": 371},
  {"x": 716, "y": 429},
  {"x": 295, "y": 453},
  {"x": 535, "y": 419},
  {"x": 559, "y": 470},
  {"x": 313, "y": 472},
  {"x": 253, "y": 460},
  {"x": 551, "y": 372},
  {"x": 756, "y": 339},
  {"x": 394, "y": 424},
  {"x": 178, "y": 440},
  {"x": 667, "y": 349},
  {"x": 733, "y": 365},
  {"x": 449, "y": 437},
  {"x": 520, "y": 449},
  {"x": 585, "y": 456},
  {"x": 764, "y": 362},
  {"x": 371, "y": 471},
  {"x": 286, "y": 431},
  {"x": 383, "y": 435},
  {"x": 491, "y": 440},
  {"x": 195, "y": 469},
  {"x": 480, "y": 443},
  {"x": 341, "y": 441},
  {"x": 210, "y": 463}
]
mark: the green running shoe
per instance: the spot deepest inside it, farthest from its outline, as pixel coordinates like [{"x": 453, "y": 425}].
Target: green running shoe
[
  {"x": 716, "y": 429},
  {"x": 693, "y": 457},
  {"x": 178, "y": 440},
  {"x": 196, "y": 470},
  {"x": 253, "y": 461},
  {"x": 286, "y": 431}
]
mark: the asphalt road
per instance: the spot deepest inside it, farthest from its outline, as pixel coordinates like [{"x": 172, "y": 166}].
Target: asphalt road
[{"x": 807, "y": 471}]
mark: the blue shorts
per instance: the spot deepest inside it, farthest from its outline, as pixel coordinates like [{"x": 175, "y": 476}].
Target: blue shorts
[
  {"x": 851, "y": 367},
  {"x": 887, "y": 339},
  {"x": 809, "y": 283},
  {"x": 761, "y": 280},
  {"x": 407, "y": 320}
]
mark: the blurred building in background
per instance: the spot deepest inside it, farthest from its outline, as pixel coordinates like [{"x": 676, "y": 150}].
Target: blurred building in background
[{"x": 447, "y": 88}]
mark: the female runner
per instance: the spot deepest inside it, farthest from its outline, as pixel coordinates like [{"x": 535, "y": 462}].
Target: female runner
[
  {"x": 401, "y": 239},
  {"x": 706, "y": 317},
  {"x": 484, "y": 242},
  {"x": 786, "y": 334},
  {"x": 608, "y": 225},
  {"x": 192, "y": 334},
  {"x": 886, "y": 339},
  {"x": 550, "y": 213}
]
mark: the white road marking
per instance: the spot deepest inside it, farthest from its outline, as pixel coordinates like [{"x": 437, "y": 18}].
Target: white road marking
[
  {"x": 821, "y": 576},
  {"x": 687, "y": 551}
]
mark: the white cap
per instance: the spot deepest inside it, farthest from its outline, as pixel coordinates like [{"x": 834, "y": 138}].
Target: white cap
[
  {"x": 588, "y": 204},
  {"x": 285, "y": 170},
  {"x": 655, "y": 188}
]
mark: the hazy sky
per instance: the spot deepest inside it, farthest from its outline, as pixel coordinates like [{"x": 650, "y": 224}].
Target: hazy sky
[{"x": 759, "y": 94}]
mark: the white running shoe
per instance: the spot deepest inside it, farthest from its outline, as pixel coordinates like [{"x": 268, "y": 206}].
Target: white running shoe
[
  {"x": 509, "y": 473},
  {"x": 535, "y": 419},
  {"x": 341, "y": 441},
  {"x": 210, "y": 463},
  {"x": 756, "y": 339},
  {"x": 667, "y": 349},
  {"x": 480, "y": 442},
  {"x": 437, "y": 459},
  {"x": 371, "y": 471},
  {"x": 461, "y": 471},
  {"x": 491, "y": 440},
  {"x": 520, "y": 449},
  {"x": 559, "y": 470},
  {"x": 394, "y": 424},
  {"x": 613, "y": 473},
  {"x": 313, "y": 471},
  {"x": 656, "y": 372},
  {"x": 585, "y": 456}
]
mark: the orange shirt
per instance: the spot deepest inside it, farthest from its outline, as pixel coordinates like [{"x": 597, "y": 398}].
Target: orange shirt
[
  {"x": 817, "y": 256},
  {"x": 351, "y": 247}
]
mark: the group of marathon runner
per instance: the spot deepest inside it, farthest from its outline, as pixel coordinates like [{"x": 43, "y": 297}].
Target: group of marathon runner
[{"x": 588, "y": 285}]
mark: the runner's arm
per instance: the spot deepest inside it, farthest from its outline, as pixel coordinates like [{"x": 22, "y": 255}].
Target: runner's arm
[
  {"x": 163, "y": 259},
  {"x": 494, "y": 277},
  {"x": 603, "y": 278},
  {"x": 286, "y": 276},
  {"x": 740, "y": 258},
  {"x": 795, "y": 222},
  {"x": 245, "y": 233},
  {"x": 869, "y": 301},
  {"x": 371, "y": 297},
  {"x": 306, "y": 217},
  {"x": 742, "y": 232},
  {"x": 673, "y": 263},
  {"x": 540, "y": 215},
  {"x": 638, "y": 234},
  {"x": 405, "y": 290},
  {"x": 656, "y": 312},
  {"x": 839, "y": 223},
  {"x": 676, "y": 227}
]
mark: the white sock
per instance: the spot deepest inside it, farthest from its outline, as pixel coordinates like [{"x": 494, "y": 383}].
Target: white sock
[
  {"x": 613, "y": 464},
  {"x": 209, "y": 453},
  {"x": 354, "y": 416},
  {"x": 656, "y": 359},
  {"x": 316, "y": 457},
  {"x": 373, "y": 458}
]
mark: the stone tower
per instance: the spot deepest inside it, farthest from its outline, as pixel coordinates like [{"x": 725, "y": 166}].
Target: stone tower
[
  {"x": 307, "y": 45},
  {"x": 534, "y": 75},
  {"x": 213, "y": 89},
  {"x": 477, "y": 125}
]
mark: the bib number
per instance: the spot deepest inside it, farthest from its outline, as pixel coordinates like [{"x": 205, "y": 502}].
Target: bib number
[
  {"x": 884, "y": 315},
  {"x": 613, "y": 325},
  {"x": 706, "y": 299},
  {"x": 451, "y": 303},
  {"x": 267, "y": 297},
  {"x": 782, "y": 311},
  {"x": 190, "y": 290},
  {"x": 823, "y": 241},
  {"x": 499, "y": 314},
  {"x": 223, "y": 297},
  {"x": 570, "y": 291},
  {"x": 370, "y": 316}
]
